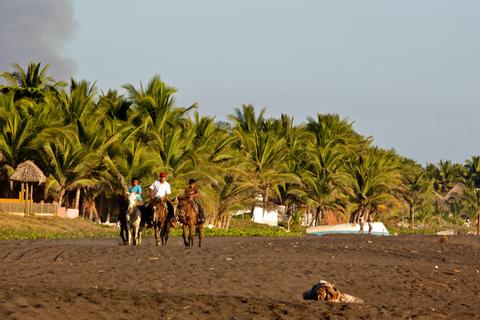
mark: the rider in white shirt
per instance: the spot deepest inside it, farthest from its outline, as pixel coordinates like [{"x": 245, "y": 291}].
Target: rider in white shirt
[{"x": 160, "y": 190}]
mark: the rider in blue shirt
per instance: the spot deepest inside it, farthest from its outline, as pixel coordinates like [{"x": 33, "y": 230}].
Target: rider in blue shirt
[{"x": 137, "y": 188}]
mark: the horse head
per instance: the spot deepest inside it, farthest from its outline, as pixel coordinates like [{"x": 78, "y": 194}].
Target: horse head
[{"x": 132, "y": 201}]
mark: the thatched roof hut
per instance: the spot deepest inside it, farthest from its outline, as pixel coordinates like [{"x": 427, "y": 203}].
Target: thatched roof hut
[
  {"x": 28, "y": 172},
  {"x": 454, "y": 194}
]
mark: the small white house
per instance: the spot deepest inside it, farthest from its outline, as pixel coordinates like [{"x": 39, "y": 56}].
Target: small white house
[{"x": 265, "y": 217}]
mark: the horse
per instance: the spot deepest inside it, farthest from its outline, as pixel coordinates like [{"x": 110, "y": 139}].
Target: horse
[
  {"x": 161, "y": 221},
  {"x": 122, "y": 218},
  {"x": 188, "y": 216},
  {"x": 134, "y": 234}
]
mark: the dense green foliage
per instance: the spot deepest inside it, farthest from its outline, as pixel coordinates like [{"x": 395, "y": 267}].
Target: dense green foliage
[
  {"x": 29, "y": 228},
  {"x": 90, "y": 144}
]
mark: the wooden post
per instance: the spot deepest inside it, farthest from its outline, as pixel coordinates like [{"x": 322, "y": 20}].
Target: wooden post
[
  {"x": 31, "y": 198},
  {"x": 22, "y": 193},
  {"x": 27, "y": 192}
]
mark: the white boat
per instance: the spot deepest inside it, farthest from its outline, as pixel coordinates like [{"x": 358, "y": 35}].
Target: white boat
[{"x": 348, "y": 228}]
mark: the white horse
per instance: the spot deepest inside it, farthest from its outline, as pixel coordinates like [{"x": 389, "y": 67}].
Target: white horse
[{"x": 133, "y": 220}]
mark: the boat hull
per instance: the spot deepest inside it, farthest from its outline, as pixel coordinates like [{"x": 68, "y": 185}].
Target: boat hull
[{"x": 348, "y": 228}]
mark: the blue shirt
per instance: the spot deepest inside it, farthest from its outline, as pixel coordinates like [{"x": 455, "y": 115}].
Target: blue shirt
[{"x": 137, "y": 189}]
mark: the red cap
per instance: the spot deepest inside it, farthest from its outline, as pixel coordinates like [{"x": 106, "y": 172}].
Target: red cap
[{"x": 163, "y": 174}]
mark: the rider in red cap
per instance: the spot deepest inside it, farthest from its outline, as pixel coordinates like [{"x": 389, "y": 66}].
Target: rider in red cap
[{"x": 160, "y": 190}]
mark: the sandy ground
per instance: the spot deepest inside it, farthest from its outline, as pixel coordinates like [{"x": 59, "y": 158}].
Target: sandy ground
[{"x": 420, "y": 277}]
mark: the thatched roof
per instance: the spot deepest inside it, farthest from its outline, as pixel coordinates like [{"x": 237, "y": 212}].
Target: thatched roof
[
  {"x": 28, "y": 172},
  {"x": 454, "y": 194}
]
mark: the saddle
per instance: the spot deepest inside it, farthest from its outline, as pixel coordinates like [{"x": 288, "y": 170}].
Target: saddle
[{"x": 157, "y": 203}]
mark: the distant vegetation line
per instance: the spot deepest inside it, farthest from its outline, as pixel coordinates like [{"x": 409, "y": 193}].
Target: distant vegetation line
[{"x": 90, "y": 144}]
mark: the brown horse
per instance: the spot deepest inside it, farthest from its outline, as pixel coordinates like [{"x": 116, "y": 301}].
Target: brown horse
[
  {"x": 161, "y": 223},
  {"x": 188, "y": 216}
]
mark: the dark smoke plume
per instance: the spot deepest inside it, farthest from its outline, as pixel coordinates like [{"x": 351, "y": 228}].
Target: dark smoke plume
[{"x": 37, "y": 31}]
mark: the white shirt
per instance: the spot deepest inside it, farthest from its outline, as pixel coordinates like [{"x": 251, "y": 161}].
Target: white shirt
[{"x": 160, "y": 189}]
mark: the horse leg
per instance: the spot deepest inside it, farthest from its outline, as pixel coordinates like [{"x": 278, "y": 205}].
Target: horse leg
[
  {"x": 123, "y": 232},
  {"x": 190, "y": 234},
  {"x": 183, "y": 236},
  {"x": 135, "y": 235},
  {"x": 199, "y": 231},
  {"x": 156, "y": 231},
  {"x": 162, "y": 232},
  {"x": 136, "y": 230},
  {"x": 131, "y": 235},
  {"x": 167, "y": 231},
  {"x": 128, "y": 234},
  {"x": 139, "y": 235}
]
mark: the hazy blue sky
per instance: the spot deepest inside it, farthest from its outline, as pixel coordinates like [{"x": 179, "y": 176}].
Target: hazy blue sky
[{"x": 406, "y": 72}]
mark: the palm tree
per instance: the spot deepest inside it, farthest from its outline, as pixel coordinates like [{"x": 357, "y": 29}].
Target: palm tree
[
  {"x": 71, "y": 165},
  {"x": 17, "y": 131},
  {"x": 445, "y": 176},
  {"x": 375, "y": 178},
  {"x": 155, "y": 109},
  {"x": 31, "y": 84},
  {"x": 330, "y": 129},
  {"x": 129, "y": 159},
  {"x": 229, "y": 195},
  {"x": 264, "y": 157},
  {"x": 115, "y": 106},
  {"x": 326, "y": 181},
  {"x": 416, "y": 186},
  {"x": 246, "y": 120}
]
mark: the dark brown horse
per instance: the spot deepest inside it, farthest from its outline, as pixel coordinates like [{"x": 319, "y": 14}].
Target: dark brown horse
[
  {"x": 188, "y": 216},
  {"x": 161, "y": 221}
]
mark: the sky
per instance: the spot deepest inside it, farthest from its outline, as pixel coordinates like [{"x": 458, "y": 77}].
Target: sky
[{"x": 405, "y": 72}]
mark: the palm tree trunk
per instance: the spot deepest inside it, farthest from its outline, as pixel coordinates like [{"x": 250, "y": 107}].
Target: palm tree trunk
[
  {"x": 288, "y": 223},
  {"x": 265, "y": 200},
  {"x": 412, "y": 216},
  {"x": 77, "y": 198},
  {"x": 310, "y": 215},
  {"x": 99, "y": 213},
  {"x": 227, "y": 223},
  {"x": 318, "y": 216},
  {"x": 224, "y": 221},
  {"x": 90, "y": 211},
  {"x": 60, "y": 197},
  {"x": 94, "y": 207}
]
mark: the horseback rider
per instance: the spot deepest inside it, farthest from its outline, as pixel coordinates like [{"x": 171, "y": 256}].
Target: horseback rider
[
  {"x": 160, "y": 189},
  {"x": 192, "y": 193},
  {"x": 136, "y": 188}
]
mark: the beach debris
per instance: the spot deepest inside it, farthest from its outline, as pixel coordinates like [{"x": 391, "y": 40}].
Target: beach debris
[
  {"x": 325, "y": 291},
  {"x": 443, "y": 239}
]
